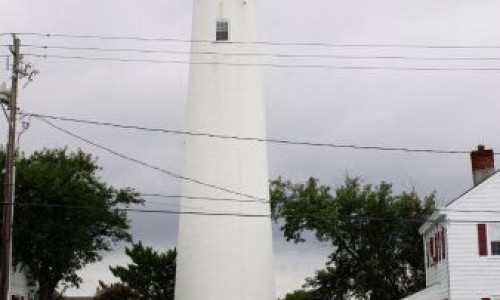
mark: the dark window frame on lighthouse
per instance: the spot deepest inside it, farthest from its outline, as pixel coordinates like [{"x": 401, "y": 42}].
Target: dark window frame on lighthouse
[{"x": 222, "y": 30}]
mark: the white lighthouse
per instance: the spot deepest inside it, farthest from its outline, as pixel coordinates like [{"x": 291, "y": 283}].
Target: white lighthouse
[{"x": 228, "y": 256}]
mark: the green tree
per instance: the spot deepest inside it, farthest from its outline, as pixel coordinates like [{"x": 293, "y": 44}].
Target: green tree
[
  {"x": 114, "y": 291},
  {"x": 300, "y": 295},
  {"x": 377, "y": 250},
  {"x": 65, "y": 216},
  {"x": 151, "y": 275}
]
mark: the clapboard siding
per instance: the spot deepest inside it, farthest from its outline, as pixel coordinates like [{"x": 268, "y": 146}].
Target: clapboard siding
[
  {"x": 437, "y": 273},
  {"x": 473, "y": 276}
]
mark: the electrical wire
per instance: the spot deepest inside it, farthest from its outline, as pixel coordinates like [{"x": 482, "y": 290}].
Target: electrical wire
[
  {"x": 344, "y": 218},
  {"x": 444, "y": 210},
  {"x": 204, "y": 198},
  {"x": 251, "y": 139},
  {"x": 270, "y": 65},
  {"x": 366, "y": 218},
  {"x": 254, "y": 139},
  {"x": 184, "y": 40},
  {"x": 177, "y": 206},
  {"x": 237, "y": 193},
  {"x": 142, "y": 163},
  {"x": 153, "y": 167},
  {"x": 276, "y": 55},
  {"x": 138, "y": 210}
]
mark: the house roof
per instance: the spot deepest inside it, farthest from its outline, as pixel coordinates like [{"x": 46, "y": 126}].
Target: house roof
[
  {"x": 480, "y": 185},
  {"x": 442, "y": 213},
  {"x": 433, "y": 219},
  {"x": 429, "y": 293}
]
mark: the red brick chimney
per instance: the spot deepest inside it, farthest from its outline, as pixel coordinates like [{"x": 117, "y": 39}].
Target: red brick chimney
[{"x": 483, "y": 164}]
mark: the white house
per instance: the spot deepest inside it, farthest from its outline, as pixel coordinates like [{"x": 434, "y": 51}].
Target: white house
[
  {"x": 21, "y": 286},
  {"x": 462, "y": 240}
]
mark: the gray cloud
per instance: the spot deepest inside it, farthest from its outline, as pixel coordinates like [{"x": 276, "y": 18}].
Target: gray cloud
[{"x": 450, "y": 110}]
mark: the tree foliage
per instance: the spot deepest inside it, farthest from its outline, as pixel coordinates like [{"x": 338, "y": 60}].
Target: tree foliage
[
  {"x": 300, "y": 295},
  {"x": 115, "y": 291},
  {"x": 151, "y": 275},
  {"x": 65, "y": 216},
  {"x": 377, "y": 250}
]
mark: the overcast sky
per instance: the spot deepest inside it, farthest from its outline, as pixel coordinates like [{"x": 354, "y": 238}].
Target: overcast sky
[{"x": 414, "y": 109}]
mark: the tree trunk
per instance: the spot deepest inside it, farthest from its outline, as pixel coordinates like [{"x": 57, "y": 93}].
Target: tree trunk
[{"x": 47, "y": 289}]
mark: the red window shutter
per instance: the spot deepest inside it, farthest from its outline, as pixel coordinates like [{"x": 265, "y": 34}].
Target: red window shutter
[
  {"x": 428, "y": 253},
  {"x": 482, "y": 239},
  {"x": 428, "y": 248},
  {"x": 438, "y": 246},
  {"x": 443, "y": 243},
  {"x": 432, "y": 242}
]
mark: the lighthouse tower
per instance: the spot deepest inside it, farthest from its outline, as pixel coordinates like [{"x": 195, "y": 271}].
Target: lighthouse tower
[{"x": 227, "y": 253}]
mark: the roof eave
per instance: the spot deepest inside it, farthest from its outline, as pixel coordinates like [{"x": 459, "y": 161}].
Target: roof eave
[{"x": 435, "y": 218}]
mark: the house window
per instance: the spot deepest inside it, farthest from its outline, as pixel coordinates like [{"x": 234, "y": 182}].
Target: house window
[
  {"x": 222, "y": 30},
  {"x": 494, "y": 233},
  {"x": 435, "y": 247}
]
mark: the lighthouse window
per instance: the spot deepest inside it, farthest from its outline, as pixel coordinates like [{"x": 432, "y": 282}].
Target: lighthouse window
[{"x": 222, "y": 30}]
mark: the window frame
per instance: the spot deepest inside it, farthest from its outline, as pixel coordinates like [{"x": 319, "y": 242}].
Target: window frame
[
  {"x": 493, "y": 237},
  {"x": 435, "y": 241},
  {"x": 222, "y": 26}
]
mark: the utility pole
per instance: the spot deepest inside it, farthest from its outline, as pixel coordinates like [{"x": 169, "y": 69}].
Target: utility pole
[{"x": 8, "y": 207}]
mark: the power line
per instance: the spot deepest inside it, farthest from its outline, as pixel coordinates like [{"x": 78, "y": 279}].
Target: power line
[
  {"x": 216, "y": 187},
  {"x": 178, "y": 206},
  {"x": 276, "y": 55},
  {"x": 252, "y": 139},
  {"x": 203, "y": 198},
  {"x": 170, "y": 173},
  {"x": 323, "y": 44},
  {"x": 270, "y": 65},
  {"x": 138, "y": 210},
  {"x": 219, "y": 214},
  {"x": 445, "y": 209},
  {"x": 142, "y": 163}
]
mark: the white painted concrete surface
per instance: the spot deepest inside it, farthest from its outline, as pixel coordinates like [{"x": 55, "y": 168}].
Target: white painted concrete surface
[{"x": 225, "y": 257}]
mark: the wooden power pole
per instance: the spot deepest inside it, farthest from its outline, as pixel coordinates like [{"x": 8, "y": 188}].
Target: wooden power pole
[{"x": 8, "y": 207}]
